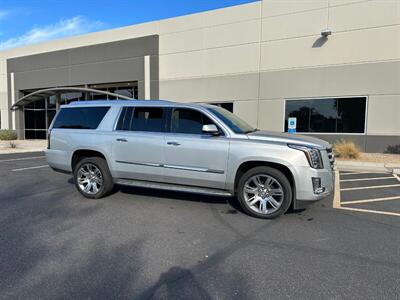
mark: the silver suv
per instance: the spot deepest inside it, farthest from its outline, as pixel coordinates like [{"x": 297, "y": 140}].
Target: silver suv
[{"x": 196, "y": 148}]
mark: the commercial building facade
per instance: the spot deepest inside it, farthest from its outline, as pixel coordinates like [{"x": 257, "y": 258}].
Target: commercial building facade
[{"x": 267, "y": 61}]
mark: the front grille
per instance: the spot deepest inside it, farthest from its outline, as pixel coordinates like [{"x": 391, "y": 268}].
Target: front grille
[{"x": 331, "y": 157}]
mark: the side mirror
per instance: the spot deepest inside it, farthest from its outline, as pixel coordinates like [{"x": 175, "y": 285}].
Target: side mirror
[{"x": 210, "y": 129}]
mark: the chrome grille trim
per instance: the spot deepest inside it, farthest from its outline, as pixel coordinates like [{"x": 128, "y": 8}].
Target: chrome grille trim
[{"x": 331, "y": 157}]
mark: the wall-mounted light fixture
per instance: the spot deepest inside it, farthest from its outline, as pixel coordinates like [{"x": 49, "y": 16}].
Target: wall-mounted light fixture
[{"x": 326, "y": 32}]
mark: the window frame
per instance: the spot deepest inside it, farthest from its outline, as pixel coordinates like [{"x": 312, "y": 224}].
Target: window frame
[
  {"x": 80, "y": 107},
  {"x": 169, "y": 122},
  {"x": 165, "y": 119},
  {"x": 328, "y": 97}
]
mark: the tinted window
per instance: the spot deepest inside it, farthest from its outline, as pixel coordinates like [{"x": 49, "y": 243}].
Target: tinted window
[
  {"x": 142, "y": 119},
  {"x": 35, "y": 134},
  {"x": 351, "y": 115},
  {"x": 301, "y": 111},
  {"x": 334, "y": 115},
  {"x": 225, "y": 105},
  {"x": 189, "y": 121},
  {"x": 125, "y": 119},
  {"x": 80, "y": 117}
]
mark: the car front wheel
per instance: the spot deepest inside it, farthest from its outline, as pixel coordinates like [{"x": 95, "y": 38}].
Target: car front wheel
[{"x": 264, "y": 192}]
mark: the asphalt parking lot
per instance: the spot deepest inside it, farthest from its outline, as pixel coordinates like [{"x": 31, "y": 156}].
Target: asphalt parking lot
[
  {"x": 369, "y": 192},
  {"x": 144, "y": 244}
]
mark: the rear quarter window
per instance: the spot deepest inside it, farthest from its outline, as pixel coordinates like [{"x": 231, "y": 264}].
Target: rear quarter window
[{"x": 80, "y": 117}]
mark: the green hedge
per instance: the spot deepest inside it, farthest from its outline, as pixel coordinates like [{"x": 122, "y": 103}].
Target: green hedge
[{"x": 8, "y": 135}]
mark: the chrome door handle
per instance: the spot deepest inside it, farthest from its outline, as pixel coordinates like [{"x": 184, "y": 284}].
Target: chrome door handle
[
  {"x": 173, "y": 143},
  {"x": 122, "y": 140}
]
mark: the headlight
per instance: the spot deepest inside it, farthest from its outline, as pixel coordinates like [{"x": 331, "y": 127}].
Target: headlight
[{"x": 313, "y": 156}]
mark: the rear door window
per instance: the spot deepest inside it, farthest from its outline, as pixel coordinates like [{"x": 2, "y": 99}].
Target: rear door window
[
  {"x": 80, "y": 117},
  {"x": 150, "y": 119}
]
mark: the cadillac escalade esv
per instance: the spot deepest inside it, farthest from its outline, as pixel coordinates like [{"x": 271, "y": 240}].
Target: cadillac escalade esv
[{"x": 197, "y": 148}]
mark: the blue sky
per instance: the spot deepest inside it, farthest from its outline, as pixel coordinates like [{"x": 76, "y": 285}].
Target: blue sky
[{"x": 31, "y": 21}]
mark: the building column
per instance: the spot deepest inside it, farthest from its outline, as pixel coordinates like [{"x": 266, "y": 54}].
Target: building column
[
  {"x": 13, "y": 100},
  {"x": 147, "y": 78}
]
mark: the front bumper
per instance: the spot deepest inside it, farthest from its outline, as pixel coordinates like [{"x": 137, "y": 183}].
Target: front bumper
[{"x": 304, "y": 184}]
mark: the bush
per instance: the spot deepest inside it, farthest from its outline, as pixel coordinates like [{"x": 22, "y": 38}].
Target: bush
[
  {"x": 8, "y": 135},
  {"x": 395, "y": 149},
  {"x": 346, "y": 149}
]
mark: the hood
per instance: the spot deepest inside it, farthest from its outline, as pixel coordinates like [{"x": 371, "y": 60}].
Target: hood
[{"x": 289, "y": 138}]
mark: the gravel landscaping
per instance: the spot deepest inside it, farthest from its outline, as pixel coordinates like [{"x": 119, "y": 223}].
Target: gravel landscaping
[
  {"x": 376, "y": 158},
  {"x": 22, "y": 146}
]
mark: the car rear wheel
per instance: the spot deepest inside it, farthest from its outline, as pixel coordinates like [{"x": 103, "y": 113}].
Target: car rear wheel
[
  {"x": 93, "y": 178},
  {"x": 264, "y": 192}
]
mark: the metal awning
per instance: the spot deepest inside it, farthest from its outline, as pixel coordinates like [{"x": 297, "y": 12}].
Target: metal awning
[{"x": 40, "y": 94}]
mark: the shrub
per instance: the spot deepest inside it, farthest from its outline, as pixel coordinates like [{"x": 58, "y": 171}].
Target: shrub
[
  {"x": 346, "y": 149},
  {"x": 8, "y": 135},
  {"x": 13, "y": 145},
  {"x": 395, "y": 149}
]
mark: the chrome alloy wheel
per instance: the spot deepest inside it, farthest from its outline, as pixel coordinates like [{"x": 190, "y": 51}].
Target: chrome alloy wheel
[
  {"x": 263, "y": 194},
  {"x": 90, "y": 179}
]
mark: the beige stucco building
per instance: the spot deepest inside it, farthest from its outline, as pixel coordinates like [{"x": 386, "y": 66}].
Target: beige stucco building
[{"x": 268, "y": 58}]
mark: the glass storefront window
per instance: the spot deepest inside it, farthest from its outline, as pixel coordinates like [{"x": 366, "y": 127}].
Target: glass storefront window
[
  {"x": 39, "y": 114},
  {"x": 332, "y": 115},
  {"x": 226, "y": 105},
  {"x": 67, "y": 98},
  {"x": 51, "y": 102}
]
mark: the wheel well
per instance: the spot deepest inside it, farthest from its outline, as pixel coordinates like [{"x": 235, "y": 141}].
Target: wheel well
[
  {"x": 244, "y": 167},
  {"x": 80, "y": 154}
]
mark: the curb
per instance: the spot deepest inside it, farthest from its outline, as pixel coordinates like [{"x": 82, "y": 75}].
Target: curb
[{"x": 368, "y": 166}]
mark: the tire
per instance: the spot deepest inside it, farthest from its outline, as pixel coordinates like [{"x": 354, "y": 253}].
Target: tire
[
  {"x": 93, "y": 171},
  {"x": 264, "y": 192}
]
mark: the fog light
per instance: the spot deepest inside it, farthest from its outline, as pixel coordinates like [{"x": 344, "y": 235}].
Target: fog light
[{"x": 318, "y": 189}]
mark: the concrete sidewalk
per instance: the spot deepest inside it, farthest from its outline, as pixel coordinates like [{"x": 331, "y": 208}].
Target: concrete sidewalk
[
  {"x": 368, "y": 166},
  {"x": 22, "y": 146}
]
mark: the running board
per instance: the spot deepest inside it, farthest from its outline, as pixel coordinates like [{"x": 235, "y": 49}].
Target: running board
[{"x": 173, "y": 187}]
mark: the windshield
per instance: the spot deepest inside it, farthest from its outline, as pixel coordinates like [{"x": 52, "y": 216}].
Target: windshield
[{"x": 236, "y": 124}]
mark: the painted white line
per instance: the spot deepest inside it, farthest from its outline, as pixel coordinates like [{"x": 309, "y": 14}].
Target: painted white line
[
  {"x": 370, "y": 187},
  {"x": 336, "y": 198},
  {"x": 371, "y": 200},
  {"x": 365, "y": 179},
  {"x": 379, "y": 212},
  {"x": 22, "y": 158},
  {"x": 397, "y": 177},
  {"x": 30, "y": 168}
]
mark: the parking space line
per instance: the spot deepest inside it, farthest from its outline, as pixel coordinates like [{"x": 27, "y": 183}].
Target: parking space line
[
  {"x": 365, "y": 179},
  {"x": 370, "y": 211},
  {"x": 371, "y": 200},
  {"x": 336, "y": 198},
  {"x": 370, "y": 187},
  {"x": 22, "y": 158},
  {"x": 338, "y": 204},
  {"x": 30, "y": 168}
]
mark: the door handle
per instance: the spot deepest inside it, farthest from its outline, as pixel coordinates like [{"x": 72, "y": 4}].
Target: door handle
[
  {"x": 122, "y": 140},
  {"x": 173, "y": 143}
]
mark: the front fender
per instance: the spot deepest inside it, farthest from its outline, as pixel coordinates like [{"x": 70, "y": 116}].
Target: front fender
[{"x": 244, "y": 152}]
